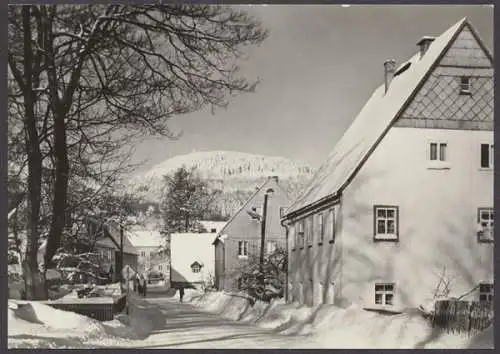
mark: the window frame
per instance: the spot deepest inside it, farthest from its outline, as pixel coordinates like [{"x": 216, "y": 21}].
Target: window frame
[
  {"x": 465, "y": 85},
  {"x": 383, "y": 293},
  {"x": 490, "y": 295},
  {"x": 440, "y": 153},
  {"x": 385, "y": 237},
  {"x": 241, "y": 247},
  {"x": 491, "y": 156},
  {"x": 310, "y": 231},
  {"x": 333, "y": 225},
  {"x": 491, "y": 227},
  {"x": 275, "y": 247},
  {"x": 300, "y": 233},
  {"x": 321, "y": 227}
]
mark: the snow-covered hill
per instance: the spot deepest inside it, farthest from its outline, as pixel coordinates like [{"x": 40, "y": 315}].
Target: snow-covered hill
[{"x": 236, "y": 174}]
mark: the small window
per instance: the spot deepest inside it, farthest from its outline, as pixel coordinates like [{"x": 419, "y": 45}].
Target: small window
[
  {"x": 465, "y": 85},
  {"x": 332, "y": 225},
  {"x": 310, "y": 230},
  {"x": 213, "y": 230},
  {"x": 384, "y": 294},
  {"x": 291, "y": 236},
  {"x": 487, "y": 156},
  {"x": 386, "y": 223},
  {"x": 438, "y": 152},
  {"x": 271, "y": 247},
  {"x": 486, "y": 292},
  {"x": 243, "y": 248},
  {"x": 300, "y": 234},
  {"x": 485, "y": 224},
  {"x": 160, "y": 267},
  {"x": 196, "y": 269},
  {"x": 143, "y": 254},
  {"x": 321, "y": 228}
]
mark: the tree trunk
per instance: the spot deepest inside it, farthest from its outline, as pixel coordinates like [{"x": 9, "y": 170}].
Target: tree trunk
[
  {"x": 59, "y": 203},
  {"x": 32, "y": 278}
]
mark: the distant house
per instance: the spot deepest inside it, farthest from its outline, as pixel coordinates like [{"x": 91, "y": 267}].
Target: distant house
[
  {"x": 239, "y": 240},
  {"x": 107, "y": 246},
  {"x": 213, "y": 226},
  {"x": 192, "y": 259},
  {"x": 147, "y": 242},
  {"x": 404, "y": 203}
]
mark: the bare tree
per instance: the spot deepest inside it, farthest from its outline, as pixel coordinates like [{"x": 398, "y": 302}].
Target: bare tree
[{"x": 91, "y": 75}]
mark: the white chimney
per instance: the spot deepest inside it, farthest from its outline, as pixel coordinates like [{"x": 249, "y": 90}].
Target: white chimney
[
  {"x": 389, "y": 69},
  {"x": 424, "y": 44}
]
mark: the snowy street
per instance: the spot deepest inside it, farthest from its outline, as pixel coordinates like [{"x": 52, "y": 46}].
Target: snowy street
[{"x": 182, "y": 325}]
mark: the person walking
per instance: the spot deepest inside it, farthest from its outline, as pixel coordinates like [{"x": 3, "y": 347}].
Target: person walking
[
  {"x": 181, "y": 293},
  {"x": 145, "y": 286}
]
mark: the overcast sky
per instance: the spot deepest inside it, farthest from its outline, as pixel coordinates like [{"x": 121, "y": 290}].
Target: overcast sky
[{"x": 318, "y": 66}]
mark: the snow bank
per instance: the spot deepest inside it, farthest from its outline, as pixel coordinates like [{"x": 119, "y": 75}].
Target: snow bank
[
  {"x": 333, "y": 327},
  {"x": 33, "y": 324}
]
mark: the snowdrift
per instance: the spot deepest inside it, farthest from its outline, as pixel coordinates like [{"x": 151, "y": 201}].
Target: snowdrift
[
  {"x": 32, "y": 324},
  {"x": 334, "y": 327}
]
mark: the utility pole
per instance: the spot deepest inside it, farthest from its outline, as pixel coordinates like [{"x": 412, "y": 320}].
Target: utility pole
[
  {"x": 263, "y": 237},
  {"x": 121, "y": 252}
]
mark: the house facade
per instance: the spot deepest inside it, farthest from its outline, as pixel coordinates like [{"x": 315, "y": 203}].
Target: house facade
[
  {"x": 403, "y": 206},
  {"x": 147, "y": 242},
  {"x": 192, "y": 259},
  {"x": 239, "y": 241},
  {"x": 107, "y": 247}
]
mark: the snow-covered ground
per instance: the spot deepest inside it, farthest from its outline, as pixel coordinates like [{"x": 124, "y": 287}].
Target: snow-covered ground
[
  {"x": 328, "y": 326},
  {"x": 219, "y": 320}
]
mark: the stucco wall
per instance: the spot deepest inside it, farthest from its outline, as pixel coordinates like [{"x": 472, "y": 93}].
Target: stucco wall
[{"x": 437, "y": 217}]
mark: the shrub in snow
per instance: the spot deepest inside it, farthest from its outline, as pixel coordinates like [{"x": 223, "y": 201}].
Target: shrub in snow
[{"x": 267, "y": 281}]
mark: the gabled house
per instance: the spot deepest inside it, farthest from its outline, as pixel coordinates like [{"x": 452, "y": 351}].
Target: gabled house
[
  {"x": 107, "y": 246},
  {"x": 147, "y": 242},
  {"x": 239, "y": 240},
  {"x": 192, "y": 259},
  {"x": 404, "y": 201}
]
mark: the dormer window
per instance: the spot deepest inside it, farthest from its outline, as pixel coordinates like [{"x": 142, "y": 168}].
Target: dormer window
[
  {"x": 465, "y": 85},
  {"x": 196, "y": 267}
]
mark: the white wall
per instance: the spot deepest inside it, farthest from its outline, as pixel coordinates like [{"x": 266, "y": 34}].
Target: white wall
[
  {"x": 437, "y": 217},
  {"x": 186, "y": 248}
]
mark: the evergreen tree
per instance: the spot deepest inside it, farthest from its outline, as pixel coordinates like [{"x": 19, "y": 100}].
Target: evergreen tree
[{"x": 186, "y": 201}]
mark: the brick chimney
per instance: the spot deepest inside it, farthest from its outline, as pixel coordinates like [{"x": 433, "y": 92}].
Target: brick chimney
[
  {"x": 424, "y": 44},
  {"x": 389, "y": 69}
]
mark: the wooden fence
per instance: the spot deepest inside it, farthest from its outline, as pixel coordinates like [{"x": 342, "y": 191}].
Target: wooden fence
[
  {"x": 101, "y": 309},
  {"x": 463, "y": 316}
]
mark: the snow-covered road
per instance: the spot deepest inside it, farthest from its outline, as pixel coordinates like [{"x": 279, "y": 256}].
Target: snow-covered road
[{"x": 177, "y": 325}]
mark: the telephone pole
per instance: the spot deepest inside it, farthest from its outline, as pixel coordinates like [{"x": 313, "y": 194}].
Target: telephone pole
[{"x": 263, "y": 237}]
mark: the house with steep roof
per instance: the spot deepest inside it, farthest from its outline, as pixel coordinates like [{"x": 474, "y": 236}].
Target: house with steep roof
[
  {"x": 402, "y": 208},
  {"x": 192, "y": 259},
  {"x": 107, "y": 246},
  {"x": 239, "y": 241},
  {"x": 148, "y": 243}
]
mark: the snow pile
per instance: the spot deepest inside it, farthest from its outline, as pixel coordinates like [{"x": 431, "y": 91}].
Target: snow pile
[
  {"x": 36, "y": 325},
  {"x": 33, "y": 324},
  {"x": 333, "y": 327}
]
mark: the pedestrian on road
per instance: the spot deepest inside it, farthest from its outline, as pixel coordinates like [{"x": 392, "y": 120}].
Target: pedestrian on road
[
  {"x": 181, "y": 293},
  {"x": 145, "y": 287}
]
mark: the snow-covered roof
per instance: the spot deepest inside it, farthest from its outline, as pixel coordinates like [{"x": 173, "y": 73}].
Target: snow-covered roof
[
  {"x": 209, "y": 225},
  {"x": 140, "y": 238},
  {"x": 272, "y": 181},
  {"x": 371, "y": 124}
]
